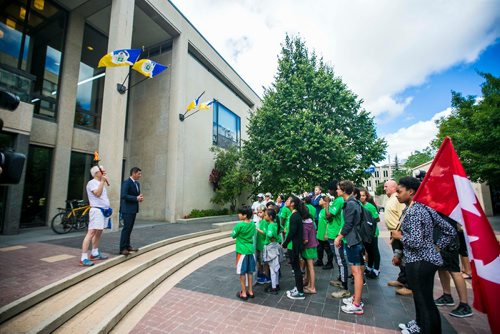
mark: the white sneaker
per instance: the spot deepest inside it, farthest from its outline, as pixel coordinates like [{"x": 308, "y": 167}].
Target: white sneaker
[
  {"x": 409, "y": 324},
  {"x": 411, "y": 330},
  {"x": 291, "y": 292},
  {"x": 352, "y": 309},
  {"x": 348, "y": 301}
]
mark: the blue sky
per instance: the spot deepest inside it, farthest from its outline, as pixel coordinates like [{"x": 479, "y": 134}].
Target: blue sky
[
  {"x": 435, "y": 94},
  {"x": 402, "y": 57}
]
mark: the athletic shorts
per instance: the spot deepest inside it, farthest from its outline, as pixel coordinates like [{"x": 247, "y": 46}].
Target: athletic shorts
[
  {"x": 245, "y": 263},
  {"x": 450, "y": 260},
  {"x": 310, "y": 253},
  {"x": 97, "y": 221},
  {"x": 355, "y": 254}
]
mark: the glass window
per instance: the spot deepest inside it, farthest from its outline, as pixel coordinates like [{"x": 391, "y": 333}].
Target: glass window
[
  {"x": 79, "y": 175},
  {"x": 377, "y": 174},
  {"x": 90, "y": 80},
  {"x": 6, "y": 141},
  {"x": 36, "y": 186},
  {"x": 31, "y": 44},
  {"x": 226, "y": 127}
]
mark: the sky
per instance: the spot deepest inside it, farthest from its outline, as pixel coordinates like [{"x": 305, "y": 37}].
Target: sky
[{"x": 403, "y": 58}]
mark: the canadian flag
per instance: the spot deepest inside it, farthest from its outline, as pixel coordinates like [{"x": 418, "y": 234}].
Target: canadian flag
[{"x": 447, "y": 189}]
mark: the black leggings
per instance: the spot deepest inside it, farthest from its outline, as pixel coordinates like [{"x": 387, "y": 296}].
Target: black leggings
[
  {"x": 373, "y": 254},
  {"x": 323, "y": 247},
  {"x": 420, "y": 276},
  {"x": 295, "y": 258}
]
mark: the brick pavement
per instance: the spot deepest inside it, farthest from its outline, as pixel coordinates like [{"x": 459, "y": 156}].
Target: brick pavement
[{"x": 184, "y": 311}]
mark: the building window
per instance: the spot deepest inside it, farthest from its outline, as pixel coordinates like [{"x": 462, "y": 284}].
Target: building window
[
  {"x": 369, "y": 183},
  {"x": 36, "y": 186},
  {"x": 226, "y": 127},
  {"x": 377, "y": 174},
  {"x": 31, "y": 44},
  {"x": 386, "y": 173},
  {"x": 79, "y": 175},
  {"x": 90, "y": 80}
]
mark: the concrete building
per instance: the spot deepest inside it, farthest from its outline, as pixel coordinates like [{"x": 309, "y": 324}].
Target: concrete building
[
  {"x": 49, "y": 51},
  {"x": 381, "y": 174}
]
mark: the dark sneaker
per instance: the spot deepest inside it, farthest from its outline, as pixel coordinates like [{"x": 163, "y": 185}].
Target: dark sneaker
[
  {"x": 318, "y": 263},
  {"x": 270, "y": 290},
  {"x": 462, "y": 311},
  {"x": 296, "y": 295},
  {"x": 86, "y": 263},
  {"x": 445, "y": 300},
  {"x": 371, "y": 275},
  {"x": 409, "y": 324},
  {"x": 411, "y": 330}
]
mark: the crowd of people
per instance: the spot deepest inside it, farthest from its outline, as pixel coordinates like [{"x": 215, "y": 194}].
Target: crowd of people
[{"x": 304, "y": 228}]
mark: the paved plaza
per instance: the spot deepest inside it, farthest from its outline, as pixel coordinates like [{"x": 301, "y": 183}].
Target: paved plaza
[{"x": 205, "y": 301}]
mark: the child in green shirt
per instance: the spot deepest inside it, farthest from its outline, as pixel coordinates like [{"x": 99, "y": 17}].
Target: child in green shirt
[
  {"x": 272, "y": 251},
  {"x": 244, "y": 233}
]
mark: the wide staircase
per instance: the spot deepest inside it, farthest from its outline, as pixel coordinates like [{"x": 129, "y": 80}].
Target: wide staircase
[{"x": 112, "y": 296}]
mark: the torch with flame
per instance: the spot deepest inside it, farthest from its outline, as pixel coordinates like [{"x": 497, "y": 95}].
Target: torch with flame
[{"x": 96, "y": 160}]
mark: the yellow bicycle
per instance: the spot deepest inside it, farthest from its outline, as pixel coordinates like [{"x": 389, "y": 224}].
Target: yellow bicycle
[{"x": 74, "y": 217}]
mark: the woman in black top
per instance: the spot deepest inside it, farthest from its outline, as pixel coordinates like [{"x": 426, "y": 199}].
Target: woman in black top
[{"x": 299, "y": 212}]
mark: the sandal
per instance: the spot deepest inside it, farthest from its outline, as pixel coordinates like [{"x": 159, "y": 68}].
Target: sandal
[
  {"x": 309, "y": 291},
  {"x": 250, "y": 295},
  {"x": 238, "y": 294},
  {"x": 466, "y": 276}
]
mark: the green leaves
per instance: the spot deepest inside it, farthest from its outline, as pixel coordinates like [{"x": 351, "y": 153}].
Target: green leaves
[
  {"x": 310, "y": 128},
  {"x": 474, "y": 127}
]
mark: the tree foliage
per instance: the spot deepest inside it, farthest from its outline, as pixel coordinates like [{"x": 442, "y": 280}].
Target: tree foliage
[
  {"x": 310, "y": 128},
  {"x": 228, "y": 177},
  {"x": 415, "y": 159},
  {"x": 474, "y": 127}
]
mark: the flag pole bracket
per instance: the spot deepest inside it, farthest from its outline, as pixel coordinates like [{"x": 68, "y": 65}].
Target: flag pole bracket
[
  {"x": 181, "y": 117},
  {"x": 121, "y": 88}
]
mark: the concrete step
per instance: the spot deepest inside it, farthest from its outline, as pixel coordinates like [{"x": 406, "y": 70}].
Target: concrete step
[
  {"x": 109, "y": 294},
  {"x": 18, "y": 306}
]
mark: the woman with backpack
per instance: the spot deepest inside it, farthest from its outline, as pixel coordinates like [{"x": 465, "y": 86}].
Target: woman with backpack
[{"x": 372, "y": 269}]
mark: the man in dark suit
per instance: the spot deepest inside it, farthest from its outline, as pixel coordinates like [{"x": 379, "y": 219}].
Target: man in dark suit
[{"x": 130, "y": 198}]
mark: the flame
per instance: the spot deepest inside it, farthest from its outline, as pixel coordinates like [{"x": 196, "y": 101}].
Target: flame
[{"x": 96, "y": 156}]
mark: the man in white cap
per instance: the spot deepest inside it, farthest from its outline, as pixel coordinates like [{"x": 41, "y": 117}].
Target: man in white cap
[
  {"x": 99, "y": 215},
  {"x": 256, "y": 205},
  {"x": 269, "y": 198}
]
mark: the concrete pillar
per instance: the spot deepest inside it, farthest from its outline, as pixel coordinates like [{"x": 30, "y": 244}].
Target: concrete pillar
[
  {"x": 114, "y": 105},
  {"x": 68, "y": 82},
  {"x": 175, "y": 155},
  {"x": 14, "y": 201}
]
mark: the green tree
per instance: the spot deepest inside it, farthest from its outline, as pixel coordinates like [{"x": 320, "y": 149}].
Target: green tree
[
  {"x": 415, "y": 159},
  {"x": 474, "y": 127},
  {"x": 310, "y": 128},
  {"x": 228, "y": 177}
]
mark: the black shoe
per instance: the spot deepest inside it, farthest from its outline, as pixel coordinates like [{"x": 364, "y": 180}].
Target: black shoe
[
  {"x": 462, "y": 311},
  {"x": 328, "y": 266},
  {"x": 318, "y": 263},
  {"x": 445, "y": 300},
  {"x": 270, "y": 290},
  {"x": 371, "y": 275}
]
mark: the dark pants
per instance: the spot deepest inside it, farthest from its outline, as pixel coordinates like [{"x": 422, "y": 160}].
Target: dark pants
[
  {"x": 373, "y": 254},
  {"x": 420, "y": 277},
  {"x": 128, "y": 225},
  {"x": 397, "y": 244},
  {"x": 295, "y": 258},
  {"x": 323, "y": 247}
]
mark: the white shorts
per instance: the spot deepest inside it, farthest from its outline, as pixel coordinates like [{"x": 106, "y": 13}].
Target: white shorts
[{"x": 97, "y": 221}]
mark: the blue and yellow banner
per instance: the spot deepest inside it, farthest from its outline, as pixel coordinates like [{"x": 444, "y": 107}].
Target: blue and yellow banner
[
  {"x": 122, "y": 57},
  {"x": 149, "y": 68}
]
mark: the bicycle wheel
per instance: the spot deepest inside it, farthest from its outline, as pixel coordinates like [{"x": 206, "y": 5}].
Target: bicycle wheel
[
  {"x": 61, "y": 224},
  {"x": 83, "y": 222}
]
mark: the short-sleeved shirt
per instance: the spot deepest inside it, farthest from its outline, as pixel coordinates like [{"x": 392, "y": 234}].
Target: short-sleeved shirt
[
  {"x": 312, "y": 211},
  {"x": 244, "y": 233},
  {"x": 392, "y": 212},
  {"x": 285, "y": 214},
  {"x": 373, "y": 211},
  {"x": 322, "y": 223},
  {"x": 261, "y": 238},
  {"x": 334, "y": 227},
  {"x": 94, "y": 201},
  {"x": 272, "y": 232}
]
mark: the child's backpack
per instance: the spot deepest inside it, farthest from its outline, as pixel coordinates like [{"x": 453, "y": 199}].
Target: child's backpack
[{"x": 367, "y": 226}]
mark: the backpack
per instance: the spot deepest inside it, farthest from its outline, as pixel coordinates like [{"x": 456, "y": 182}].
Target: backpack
[{"x": 368, "y": 225}]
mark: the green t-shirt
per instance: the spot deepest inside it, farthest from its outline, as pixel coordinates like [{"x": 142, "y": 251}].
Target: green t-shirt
[
  {"x": 322, "y": 223},
  {"x": 272, "y": 232},
  {"x": 286, "y": 214},
  {"x": 244, "y": 233},
  {"x": 334, "y": 227},
  {"x": 373, "y": 211},
  {"x": 261, "y": 238},
  {"x": 312, "y": 212}
]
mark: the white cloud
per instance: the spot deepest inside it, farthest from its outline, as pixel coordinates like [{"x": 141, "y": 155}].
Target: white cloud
[
  {"x": 379, "y": 47},
  {"x": 415, "y": 137}
]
